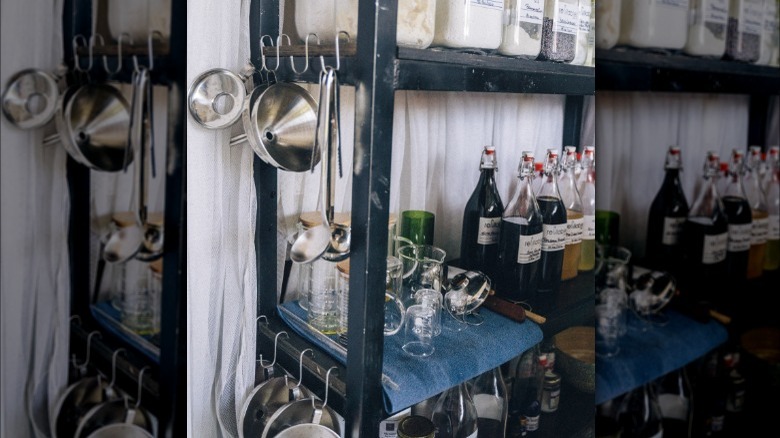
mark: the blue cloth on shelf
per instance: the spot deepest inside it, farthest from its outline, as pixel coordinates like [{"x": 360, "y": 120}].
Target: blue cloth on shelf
[
  {"x": 110, "y": 319},
  {"x": 458, "y": 356},
  {"x": 647, "y": 355}
]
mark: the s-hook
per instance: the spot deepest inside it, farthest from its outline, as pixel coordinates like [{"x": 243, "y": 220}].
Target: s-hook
[
  {"x": 83, "y": 367},
  {"x": 300, "y": 365},
  {"x": 276, "y": 341}
]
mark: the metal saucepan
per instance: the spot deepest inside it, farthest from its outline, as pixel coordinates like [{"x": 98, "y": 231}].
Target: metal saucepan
[
  {"x": 265, "y": 400},
  {"x": 307, "y": 430},
  {"x": 123, "y": 430},
  {"x": 113, "y": 412},
  {"x": 76, "y": 401}
]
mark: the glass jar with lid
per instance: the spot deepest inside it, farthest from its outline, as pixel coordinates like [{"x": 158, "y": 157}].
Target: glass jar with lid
[
  {"x": 743, "y": 40},
  {"x": 469, "y": 24},
  {"x": 607, "y": 23},
  {"x": 707, "y": 29},
  {"x": 522, "y": 34},
  {"x": 770, "y": 37},
  {"x": 656, "y": 24},
  {"x": 590, "y": 59},
  {"x": 414, "y": 25},
  {"x": 583, "y": 29},
  {"x": 308, "y": 220},
  {"x": 559, "y": 30}
]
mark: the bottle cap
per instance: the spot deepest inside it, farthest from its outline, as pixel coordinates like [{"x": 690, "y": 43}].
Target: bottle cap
[{"x": 488, "y": 160}]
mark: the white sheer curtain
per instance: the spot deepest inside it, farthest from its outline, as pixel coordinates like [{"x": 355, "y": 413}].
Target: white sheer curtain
[
  {"x": 35, "y": 297},
  {"x": 635, "y": 129}
]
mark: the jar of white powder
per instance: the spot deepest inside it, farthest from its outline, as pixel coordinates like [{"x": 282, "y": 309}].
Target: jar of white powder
[
  {"x": 707, "y": 31},
  {"x": 315, "y": 16},
  {"x": 559, "y": 30},
  {"x": 657, "y": 24},
  {"x": 770, "y": 38},
  {"x": 522, "y": 36},
  {"x": 590, "y": 59},
  {"x": 581, "y": 48},
  {"x": 607, "y": 23},
  {"x": 743, "y": 40},
  {"x": 468, "y": 24}
]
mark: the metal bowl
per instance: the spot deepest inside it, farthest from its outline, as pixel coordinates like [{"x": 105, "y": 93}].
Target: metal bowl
[
  {"x": 96, "y": 119},
  {"x": 307, "y": 431},
  {"x": 122, "y": 430},
  {"x": 576, "y": 357},
  {"x": 112, "y": 412},
  {"x": 75, "y": 402},
  {"x": 265, "y": 400},
  {"x": 30, "y": 99},
  {"x": 304, "y": 411}
]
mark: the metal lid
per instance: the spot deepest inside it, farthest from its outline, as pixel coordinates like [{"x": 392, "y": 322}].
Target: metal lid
[
  {"x": 415, "y": 426},
  {"x": 343, "y": 267},
  {"x": 30, "y": 99},
  {"x": 216, "y": 98},
  {"x": 550, "y": 378},
  {"x": 127, "y": 218}
]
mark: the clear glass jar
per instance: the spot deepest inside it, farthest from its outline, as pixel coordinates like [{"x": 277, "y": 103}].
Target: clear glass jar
[
  {"x": 323, "y": 296},
  {"x": 707, "y": 30},
  {"x": 155, "y": 291},
  {"x": 522, "y": 35},
  {"x": 415, "y": 20},
  {"x": 770, "y": 37},
  {"x": 138, "y": 306},
  {"x": 468, "y": 24},
  {"x": 581, "y": 48},
  {"x": 305, "y": 221},
  {"x": 559, "y": 30},
  {"x": 137, "y": 19},
  {"x": 658, "y": 24},
  {"x": 590, "y": 58},
  {"x": 607, "y": 23},
  {"x": 743, "y": 41}
]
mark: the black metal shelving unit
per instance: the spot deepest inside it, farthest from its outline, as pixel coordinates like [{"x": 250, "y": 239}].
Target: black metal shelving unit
[
  {"x": 377, "y": 68},
  {"x": 165, "y": 383}
]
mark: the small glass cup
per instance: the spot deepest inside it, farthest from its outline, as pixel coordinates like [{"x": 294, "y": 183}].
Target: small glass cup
[
  {"x": 432, "y": 299},
  {"x": 608, "y": 329},
  {"x": 423, "y": 268},
  {"x": 323, "y": 304},
  {"x": 417, "y": 226},
  {"x": 418, "y": 332}
]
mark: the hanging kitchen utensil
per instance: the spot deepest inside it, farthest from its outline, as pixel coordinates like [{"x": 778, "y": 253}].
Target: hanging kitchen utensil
[
  {"x": 30, "y": 98},
  {"x": 123, "y": 430},
  {"x": 216, "y": 98}
]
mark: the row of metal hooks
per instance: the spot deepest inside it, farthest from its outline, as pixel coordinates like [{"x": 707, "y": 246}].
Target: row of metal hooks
[
  {"x": 268, "y": 41},
  {"x": 89, "y": 43}
]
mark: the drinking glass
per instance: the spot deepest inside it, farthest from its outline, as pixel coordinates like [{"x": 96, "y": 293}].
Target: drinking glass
[
  {"x": 608, "y": 329},
  {"x": 418, "y": 332},
  {"x": 432, "y": 299},
  {"x": 422, "y": 269},
  {"x": 417, "y": 226}
]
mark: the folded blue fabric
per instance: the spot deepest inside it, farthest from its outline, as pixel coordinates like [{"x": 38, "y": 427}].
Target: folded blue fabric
[
  {"x": 110, "y": 319},
  {"x": 458, "y": 356},
  {"x": 659, "y": 349}
]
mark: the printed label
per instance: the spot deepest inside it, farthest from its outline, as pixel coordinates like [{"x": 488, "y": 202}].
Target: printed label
[
  {"x": 751, "y": 18},
  {"x": 682, "y": 4},
  {"x": 585, "y": 17},
  {"x": 739, "y": 237},
  {"x": 760, "y": 231},
  {"x": 714, "y": 250},
  {"x": 770, "y": 18},
  {"x": 574, "y": 231},
  {"x": 672, "y": 230},
  {"x": 532, "y": 423},
  {"x": 489, "y": 230},
  {"x": 716, "y": 423},
  {"x": 774, "y": 227},
  {"x": 473, "y": 435},
  {"x": 388, "y": 429},
  {"x": 716, "y": 11},
  {"x": 497, "y": 5},
  {"x": 531, "y": 11},
  {"x": 566, "y": 19},
  {"x": 673, "y": 406},
  {"x": 589, "y": 227},
  {"x": 554, "y": 238},
  {"x": 530, "y": 248}
]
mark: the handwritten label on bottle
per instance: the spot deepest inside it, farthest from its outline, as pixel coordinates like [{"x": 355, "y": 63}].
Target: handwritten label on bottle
[
  {"x": 566, "y": 19},
  {"x": 489, "y": 4},
  {"x": 739, "y": 237},
  {"x": 532, "y": 423},
  {"x": 716, "y": 11},
  {"x": 751, "y": 17},
  {"x": 489, "y": 229},
  {"x": 682, "y": 4},
  {"x": 554, "y": 238},
  {"x": 388, "y": 429},
  {"x": 574, "y": 231},
  {"x": 585, "y": 17},
  {"x": 714, "y": 250},
  {"x": 760, "y": 231},
  {"x": 672, "y": 230},
  {"x": 531, "y": 11},
  {"x": 774, "y": 227},
  {"x": 589, "y": 228},
  {"x": 530, "y": 248}
]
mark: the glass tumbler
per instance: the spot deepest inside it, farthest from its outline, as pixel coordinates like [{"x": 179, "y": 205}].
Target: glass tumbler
[
  {"x": 418, "y": 332},
  {"x": 432, "y": 299},
  {"x": 323, "y": 297}
]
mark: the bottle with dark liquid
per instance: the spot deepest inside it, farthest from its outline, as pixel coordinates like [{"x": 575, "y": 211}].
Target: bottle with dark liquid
[
  {"x": 735, "y": 394},
  {"x": 454, "y": 415},
  {"x": 490, "y": 399},
  {"x": 554, "y": 227},
  {"x": 674, "y": 399},
  {"x": 740, "y": 219},
  {"x": 710, "y": 398},
  {"x": 760, "y": 230},
  {"x": 570, "y": 196},
  {"x": 772, "y": 190},
  {"x": 705, "y": 235},
  {"x": 668, "y": 213},
  {"x": 587, "y": 187},
  {"x": 521, "y": 239},
  {"x": 525, "y": 406},
  {"x": 642, "y": 416},
  {"x": 482, "y": 220}
]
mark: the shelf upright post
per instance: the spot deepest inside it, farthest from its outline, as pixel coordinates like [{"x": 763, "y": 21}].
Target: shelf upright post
[
  {"x": 572, "y": 120},
  {"x": 374, "y": 72},
  {"x": 757, "y": 119}
]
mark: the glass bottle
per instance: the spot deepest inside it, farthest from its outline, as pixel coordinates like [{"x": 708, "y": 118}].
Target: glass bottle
[
  {"x": 770, "y": 32},
  {"x": 574, "y": 215},
  {"x": 757, "y": 201},
  {"x": 667, "y": 216},
  {"x": 559, "y": 30},
  {"x": 642, "y": 416},
  {"x": 710, "y": 394},
  {"x": 522, "y": 35},
  {"x": 735, "y": 394},
  {"x": 583, "y": 29},
  {"x": 526, "y": 401},
  {"x": 454, "y": 415},
  {"x": 707, "y": 29},
  {"x": 492, "y": 403},
  {"x": 772, "y": 190},
  {"x": 705, "y": 233},
  {"x": 479, "y": 243},
  {"x": 587, "y": 191},
  {"x": 521, "y": 238},
  {"x": 743, "y": 40},
  {"x": 740, "y": 220},
  {"x": 554, "y": 227},
  {"x": 674, "y": 400},
  {"x": 771, "y": 160}
]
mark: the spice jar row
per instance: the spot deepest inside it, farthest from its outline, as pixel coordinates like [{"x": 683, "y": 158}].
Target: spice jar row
[
  {"x": 739, "y": 30},
  {"x": 552, "y": 30}
]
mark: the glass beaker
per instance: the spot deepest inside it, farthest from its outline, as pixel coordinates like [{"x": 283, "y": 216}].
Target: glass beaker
[{"x": 422, "y": 269}]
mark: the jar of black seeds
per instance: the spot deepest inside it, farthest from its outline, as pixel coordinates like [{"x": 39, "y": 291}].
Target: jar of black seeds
[
  {"x": 559, "y": 30},
  {"x": 743, "y": 38}
]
